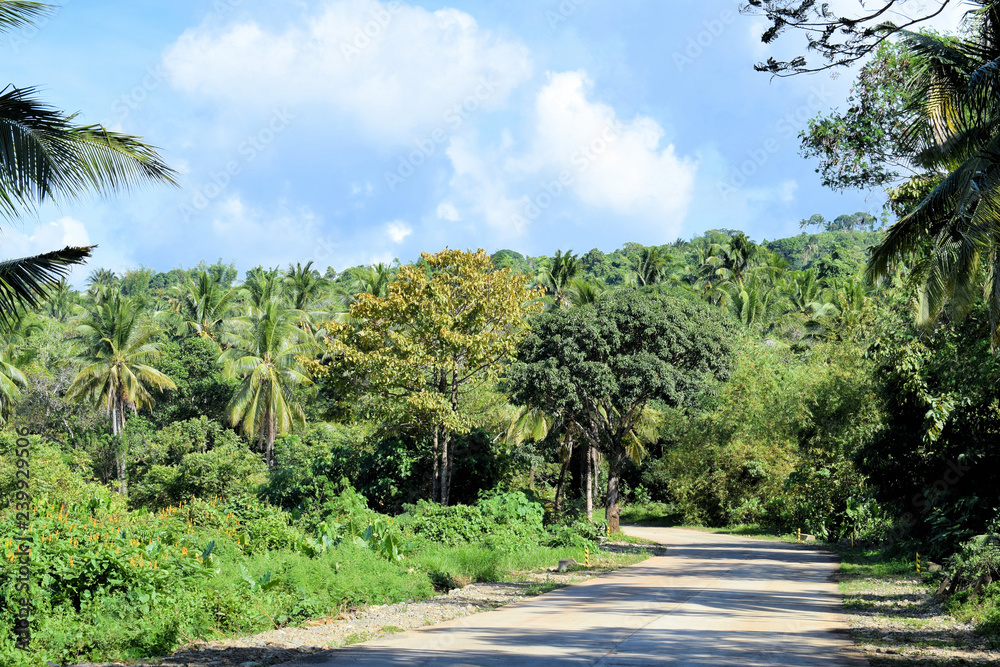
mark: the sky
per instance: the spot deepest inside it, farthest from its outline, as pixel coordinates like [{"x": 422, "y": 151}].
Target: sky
[{"x": 348, "y": 132}]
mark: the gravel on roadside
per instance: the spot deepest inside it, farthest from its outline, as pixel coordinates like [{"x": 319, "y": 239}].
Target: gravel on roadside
[{"x": 897, "y": 621}]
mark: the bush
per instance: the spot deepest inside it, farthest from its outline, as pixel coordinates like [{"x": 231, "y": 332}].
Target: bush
[
  {"x": 500, "y": 521},
  {"x": 976, "y": 560}
]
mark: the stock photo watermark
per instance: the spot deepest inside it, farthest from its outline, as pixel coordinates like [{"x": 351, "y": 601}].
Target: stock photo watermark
[
  {"x": 32, "y": 29},
  {"x": 698, "y": 44},
  {"x": 370, "y": 32},
  {"x": 562, "y": 13},
  {"x": 454, "y": 117},
  {"x": 785, "y": 130},
  {"x": 581, "y": 160},
  {"x": 248, "y": 151},
  {"x": 21, "y": 555},
  {"x": 155, "y": 75},
  {"x": 129, "y": 102}
]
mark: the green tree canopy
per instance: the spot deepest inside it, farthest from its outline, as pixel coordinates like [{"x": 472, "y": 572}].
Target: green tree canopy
[
  {"x": 443, "y": 329},
  {"x": 599, "y": 367}
]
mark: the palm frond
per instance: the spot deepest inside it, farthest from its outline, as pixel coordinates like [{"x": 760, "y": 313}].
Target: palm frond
[{"x": 24, "y": 282}]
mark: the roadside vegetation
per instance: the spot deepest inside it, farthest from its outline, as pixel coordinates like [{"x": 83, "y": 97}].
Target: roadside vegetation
[{"x": 213, "y": 454}]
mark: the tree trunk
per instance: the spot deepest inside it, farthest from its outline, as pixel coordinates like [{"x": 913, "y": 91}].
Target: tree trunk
[
  {"x": 595, "y": 473},
  {"x": 611, "y": 503},
  {"x": 562, "y": 475},
  {"x": 436, "y": 483},
  {"x": 447, "y": 462},
  {"x": 445, "y": 468},
  {"x": 117, "y": 426},
  {"x": 588, "y": 484},
  {"x": 269, "y": 456}
]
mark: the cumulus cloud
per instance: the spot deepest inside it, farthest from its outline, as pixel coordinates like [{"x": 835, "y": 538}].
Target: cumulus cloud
[
  {"x": 398, "y": 231},
  {"x": 447, "y": 211},
  {"x": 392, "y": 68},
  {"x": 46, "y": 237},
  {"x": 579, "y": 146}
]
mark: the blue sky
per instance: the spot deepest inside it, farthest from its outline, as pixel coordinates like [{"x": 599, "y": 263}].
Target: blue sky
[{"x": 356, "y": 131}]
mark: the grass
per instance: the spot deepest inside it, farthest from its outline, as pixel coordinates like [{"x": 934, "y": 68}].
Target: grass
[{"x": 472, "y": 564}]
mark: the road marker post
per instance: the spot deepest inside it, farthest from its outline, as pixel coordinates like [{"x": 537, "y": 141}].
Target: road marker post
[
  {"x": 918, "y": 563},
  {"x": 800, "y": 535},
  {"x": 586, "y": 556}
]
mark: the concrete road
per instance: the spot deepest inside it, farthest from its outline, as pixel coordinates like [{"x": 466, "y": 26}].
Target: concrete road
[{"x": 713, "y": 600}]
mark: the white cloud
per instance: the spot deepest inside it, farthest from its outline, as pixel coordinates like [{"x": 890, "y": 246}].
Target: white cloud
[
  {"x": 398, "y": 231},
  {"x": 582, "y": 147},
  {"x": 272, "y": 237},
  {"x": 618, "y": 165},
  {"x": 447, "y": 211},
  {"x": 392, "y": 68},
  {"x": 47, "y": 237}
]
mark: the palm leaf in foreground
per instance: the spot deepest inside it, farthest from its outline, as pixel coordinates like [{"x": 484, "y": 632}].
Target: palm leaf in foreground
[{"x": 23, "y": 282}]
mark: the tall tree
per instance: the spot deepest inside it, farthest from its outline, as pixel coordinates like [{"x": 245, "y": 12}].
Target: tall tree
[
  {"x": 118, "y": 353},
  {"x": 203, "y": 305},
  {"x": 444, "y": 329},
  {"x": 599, "y": 368},
  {"x": 264, "y": 354},
  {"x": 556, "y": 276}
]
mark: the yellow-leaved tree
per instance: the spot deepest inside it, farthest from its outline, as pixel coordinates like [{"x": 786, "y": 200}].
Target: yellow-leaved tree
[{"x": 446, "y": 327}]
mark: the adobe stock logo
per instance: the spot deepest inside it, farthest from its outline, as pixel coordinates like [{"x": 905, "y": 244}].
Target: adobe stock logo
[
  {"x": 455, "y": 117},
  {"x": 696, "y": 45}
]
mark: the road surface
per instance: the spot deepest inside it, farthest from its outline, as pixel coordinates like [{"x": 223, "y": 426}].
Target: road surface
[{"x": 712, "y": 600}]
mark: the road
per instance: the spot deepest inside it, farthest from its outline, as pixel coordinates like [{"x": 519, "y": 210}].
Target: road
[{"x": 712, "y": 600}]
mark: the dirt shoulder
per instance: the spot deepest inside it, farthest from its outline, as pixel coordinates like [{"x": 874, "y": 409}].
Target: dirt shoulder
[{"x": 897, "y": 620}]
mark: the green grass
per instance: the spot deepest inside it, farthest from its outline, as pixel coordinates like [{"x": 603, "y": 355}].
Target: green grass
[
  {"x": 630, "y": 539},
  {"x": 470, "y": 564},
  {"x": 649, "y": 514}
]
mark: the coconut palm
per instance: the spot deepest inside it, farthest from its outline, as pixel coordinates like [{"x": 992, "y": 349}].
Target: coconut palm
[
  {"x": 202, "y": 305},
  {"x": 372, "y": 280},
  {"x": 556, "y": 276},
  {"x": 11, "y": 380},
  {"x": 118, "y": 353},
  {"x": 952, "y": 237},
  {"x": 309, "y": 294},
  {"x": 60, "y": 301},
  {"x": 585, "y": 292},
  {"x": 45, "y": 155},
  {"x": 650, "y": 267},
  {"x": 756, "y": 303},
  {"x": 264, "y": 352}
]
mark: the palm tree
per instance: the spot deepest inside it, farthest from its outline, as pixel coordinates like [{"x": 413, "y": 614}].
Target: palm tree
[
  {"x": 118, "y": 353},
  {"x": 372, "y": 280},
  {"x": 261, "y": 287},
  {"x": 309, "y": 294},
  {"x": 756, "y": 303},
  {"x": 11, "y": 381},
  {"x": 60, "y": 301},
  {"x": 265, "y": 347},
  {"x": 585, "y": 292},
  {"x": 203, "y": 305},
  {"x": 306, "y": 287},
  {"x": 952, "y": 236},
  {"x": 45, "y": 155},
  {"x": 652, "y": 266},
  {"x": 557, "y": 275}
]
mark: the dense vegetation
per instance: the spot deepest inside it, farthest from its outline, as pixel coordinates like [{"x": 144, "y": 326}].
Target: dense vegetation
[{"x": 236, "y": 448}]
